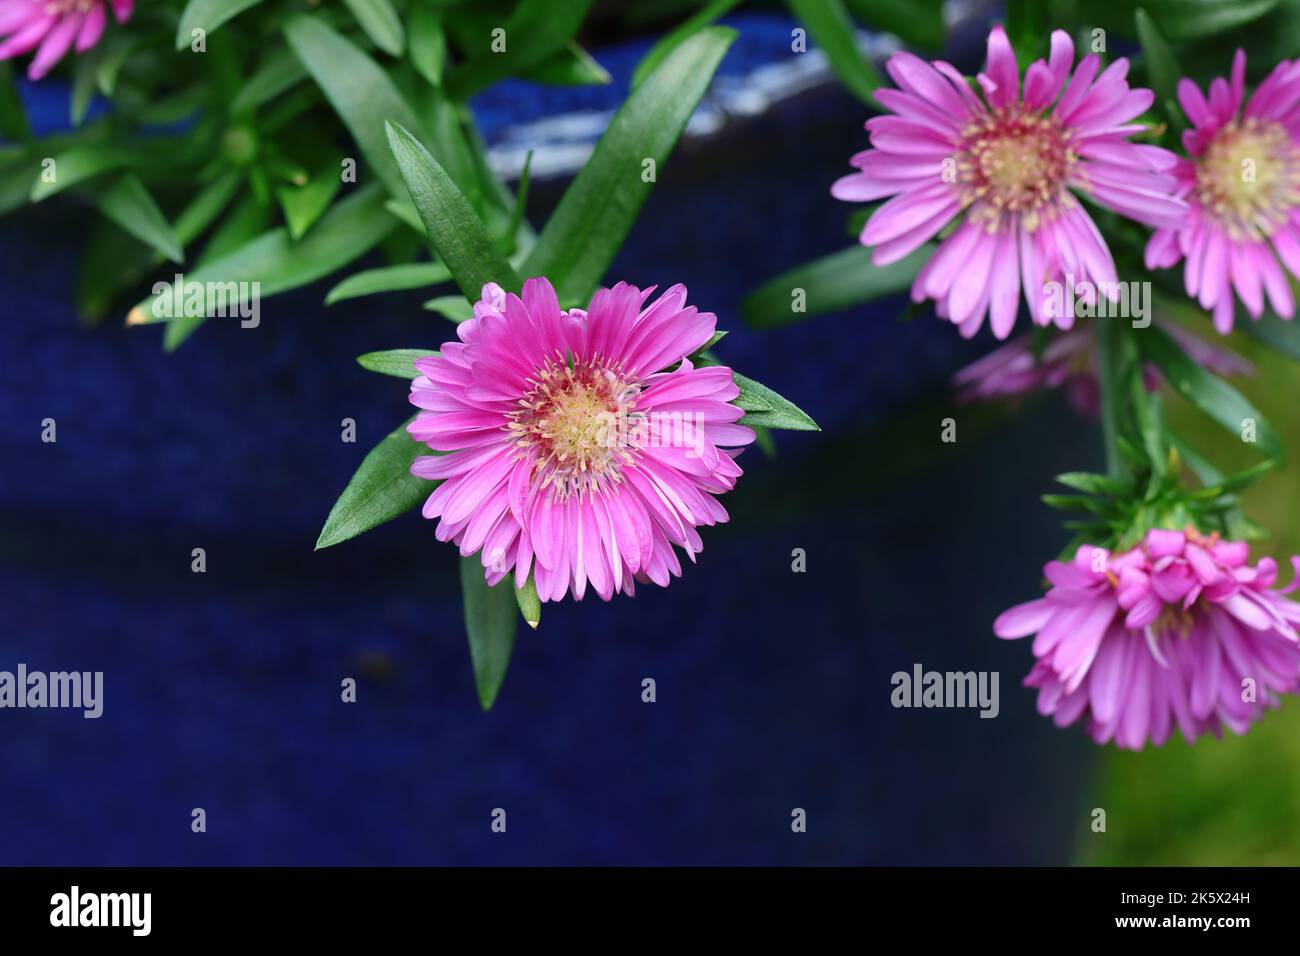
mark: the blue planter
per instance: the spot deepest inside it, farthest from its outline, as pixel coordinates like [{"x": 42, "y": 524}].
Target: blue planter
[{"x": 222, "y": 690}]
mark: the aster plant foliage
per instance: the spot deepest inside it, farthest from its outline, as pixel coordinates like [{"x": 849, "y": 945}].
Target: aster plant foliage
[
  {"x": 569, "y": 439},
  {"x": 1100, "y": 144}
]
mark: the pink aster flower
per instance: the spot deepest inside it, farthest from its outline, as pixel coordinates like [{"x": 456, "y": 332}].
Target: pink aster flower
[
  {"x": 580, "y": 445},
  {"x": 1180, "y": 630},
  {"x": 55, "y": 26},
  {"x": 1243, "y": 185},
  {"x": 1006, "y": 168},
  {"x": 1069, "y": 361}
]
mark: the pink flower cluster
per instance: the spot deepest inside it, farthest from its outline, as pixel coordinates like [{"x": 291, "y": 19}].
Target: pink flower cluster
[{"x": 1181, "y": 630}]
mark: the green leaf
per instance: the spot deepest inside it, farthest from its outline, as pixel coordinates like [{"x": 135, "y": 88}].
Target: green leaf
[
  {"x": 360, "y": 92},
  {"x": 382, "y": 488},
  {"x": 835, "y": 282},
  {"x": 77, "y": 164},
  {"x": 915, "y": 22},
  {"x": 490, "y": 618},
  {"x": 395, "y": 362},
  {"x": 428, "y": 44},
  {"x": 380, "y": 22},
  {"x": 280, "y": 71},
  {"x": 13, "y": 118},
  {"x": 115, "y": 50},
  {"x": 701, "y": 18},
  {"x": 207, "y": 15},
  {"x": 1212, "y": 395},
  {"x": 411, "y": 275},
  {"x": 1281, "y": 335},
  {"x": 458, "y": 236},
  {"x": 572, "y": 66},
  {"x": 535, "y": 31},
  {"x": 1188, "y": 19},
  {"x": 1095, "y": 484},
  {"x": 453, "y": 307},
  {"x": 530, "y": 606},
  {"x": 511, "y": 238},
  {"x": 766, "y": 408},
  {"x": 1162, "y": 66},
  {"x": 1237, "y": 481},
  {"x": 348, "y": 231},
  {"x": 305, "y": 204},
  {"x": 598, "y": 209},
  {"x": 129, "y": 204},
  {"x": 83, "y": 85},
  {"x": 830, "y": 26}
]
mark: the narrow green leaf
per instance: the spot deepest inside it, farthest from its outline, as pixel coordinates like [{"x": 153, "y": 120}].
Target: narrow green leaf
[
  {"x": 453, "y": 307},
  {"x": 348, "y": 231},
  {"x": 405, "y": 210},
  {"x": 206, "y": 206},
  {"x": 1162, "y": 66},
  {"x": 280, "y": 71},
  {"x": 83, "y": 85},
  {"x": 115, "y": 50},
  {"x": 838, "y": 281},
  {"x": 1209, "y": 393},
  {"x": 458, "y": 236},
  {"x": 598, "y": 209},
  {"x": 411, "y": 275},
  {"x": 77, "y": 164},
  {"x": 511, "y": 239},
  {"x": 360, "y": 92},
  {"x": 530, "y": 606},
  {"x": 572, "y": 66},
  {"x": 1281, "y": 335},
  {"x": 490, "y": 618},
  {"x": 701, "y": 18},
  {"x": 382, "y": 488},
  {"x": 380, "y": 22},
  {"x": 535, "y": 31},
  {"x": 428, "y": 43},
  {"x": 13, "y": 118},
  {"x": 396, "y": 362},
  {"x": 915, "y": 22},
  {"x": 828, "y": 23},
  {"x": 305, "y": 204},
  {"x": 207, "y": 15},
  {"x": 1189, "y": 19},
  {"x": 770, "y": 410},
  {"x": 1094, "y": 484},
  {"x": 129, "y": 204}
]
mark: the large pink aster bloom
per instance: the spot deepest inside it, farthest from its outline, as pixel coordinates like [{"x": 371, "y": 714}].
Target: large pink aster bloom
[
  {"x": 1243, "y": 184},
  {"x": 54, "y": 26},
  {"x": 1180, "y": 630},
  {"x": 582, "y": 445},
  {"x": 1007, "y": 167}
]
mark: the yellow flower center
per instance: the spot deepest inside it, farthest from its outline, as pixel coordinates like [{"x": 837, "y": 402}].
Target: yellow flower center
[
  {"x": 574, "y": 419},
  {"x": 1014, "y": 163},
  {"x": 1249, "y": 178}
]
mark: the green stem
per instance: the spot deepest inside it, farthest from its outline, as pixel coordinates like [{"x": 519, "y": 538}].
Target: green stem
[{"x": 1110, "y": 360}]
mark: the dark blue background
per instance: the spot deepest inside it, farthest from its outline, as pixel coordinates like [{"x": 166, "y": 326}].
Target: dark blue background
[{"x": 222, "y": 689}]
